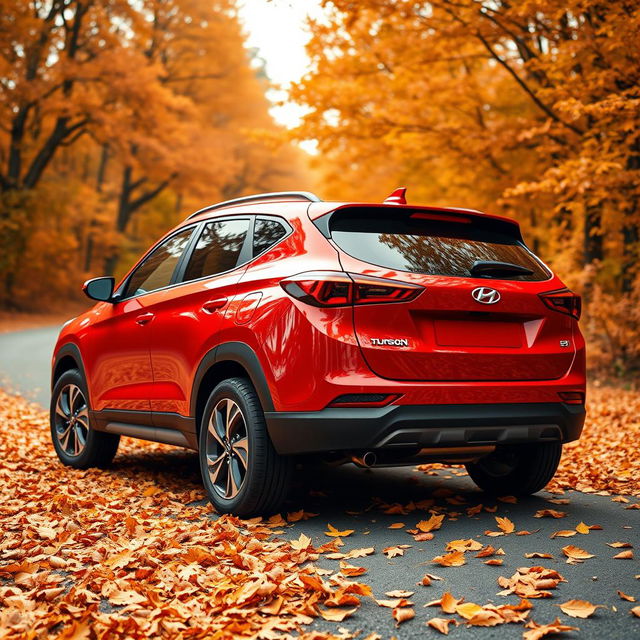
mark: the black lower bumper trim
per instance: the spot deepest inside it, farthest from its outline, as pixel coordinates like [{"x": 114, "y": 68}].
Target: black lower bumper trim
[{"x": 395, "y": 426}]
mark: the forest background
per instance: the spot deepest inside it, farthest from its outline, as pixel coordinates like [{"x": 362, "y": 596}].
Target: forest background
[{"x": 120, "y": 117}]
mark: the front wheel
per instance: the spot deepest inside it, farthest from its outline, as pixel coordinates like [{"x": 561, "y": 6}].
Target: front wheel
[
  {"x": 241, "y": 471},
  {"x": 519, "y": 470}
]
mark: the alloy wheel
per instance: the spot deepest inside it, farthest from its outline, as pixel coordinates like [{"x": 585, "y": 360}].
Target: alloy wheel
[
  {"x": 227, "y": 448},
  {"x": 72, "y": 420}
]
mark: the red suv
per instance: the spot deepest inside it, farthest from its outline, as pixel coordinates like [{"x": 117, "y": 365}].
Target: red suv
[{"x": 277, "y": 325}]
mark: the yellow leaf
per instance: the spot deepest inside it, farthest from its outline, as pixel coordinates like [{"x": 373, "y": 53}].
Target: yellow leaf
[
  {"x": 504, "y": 524},
  {"x": 334, "y": 533},
  {"x": 467, "y": 610},
  {"x": 432, "y": 524}
]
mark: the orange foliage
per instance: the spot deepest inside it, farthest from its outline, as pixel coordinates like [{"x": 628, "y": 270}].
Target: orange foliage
[
  {"x": 118, "y": 118},
  {"x": 529, "y": 109}
]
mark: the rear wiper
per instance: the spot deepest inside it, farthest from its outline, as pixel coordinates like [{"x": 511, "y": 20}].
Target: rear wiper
[{"x": 495, "y": 269}]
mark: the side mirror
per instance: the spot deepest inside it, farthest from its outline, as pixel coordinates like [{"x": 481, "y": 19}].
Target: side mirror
[{"x": 99, "y": 288}]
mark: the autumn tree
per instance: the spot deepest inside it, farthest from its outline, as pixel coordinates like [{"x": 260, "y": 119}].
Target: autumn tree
[
  {"x": 116, "y": 117},
  {"x": 528, "y": 109}
]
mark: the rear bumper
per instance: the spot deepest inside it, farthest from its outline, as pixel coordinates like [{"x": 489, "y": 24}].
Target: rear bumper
[{"x": 423, "y": 426}]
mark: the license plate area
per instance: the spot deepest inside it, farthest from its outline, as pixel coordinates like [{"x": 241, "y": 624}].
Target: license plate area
[{"x": 478, "y": 333}]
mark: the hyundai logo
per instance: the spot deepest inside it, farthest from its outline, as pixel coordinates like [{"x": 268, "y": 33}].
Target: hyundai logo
[{"x": 485, "y": 295}]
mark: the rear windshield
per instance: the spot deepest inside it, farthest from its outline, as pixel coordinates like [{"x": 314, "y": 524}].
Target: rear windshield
[{"x": 405, "y": 242}]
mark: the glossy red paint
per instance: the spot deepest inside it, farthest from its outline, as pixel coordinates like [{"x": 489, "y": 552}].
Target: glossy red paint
[{"x": 143, "y": 353}]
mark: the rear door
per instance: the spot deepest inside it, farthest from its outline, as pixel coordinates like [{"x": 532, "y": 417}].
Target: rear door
[{"x": 466, "y": 324}]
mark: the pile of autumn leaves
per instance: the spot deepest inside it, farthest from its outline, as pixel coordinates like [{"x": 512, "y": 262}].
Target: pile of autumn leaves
[{"x": 127, "y": 553}]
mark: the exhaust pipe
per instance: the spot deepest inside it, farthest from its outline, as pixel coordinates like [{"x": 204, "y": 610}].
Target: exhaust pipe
[{"x": 366, "y": 460}]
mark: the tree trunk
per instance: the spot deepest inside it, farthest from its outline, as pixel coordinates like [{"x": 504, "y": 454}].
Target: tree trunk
[{"x": 592, "y": 242}]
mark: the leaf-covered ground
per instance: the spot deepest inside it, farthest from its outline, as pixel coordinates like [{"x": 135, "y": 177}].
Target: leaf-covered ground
[{"x": 126, "y": 553}]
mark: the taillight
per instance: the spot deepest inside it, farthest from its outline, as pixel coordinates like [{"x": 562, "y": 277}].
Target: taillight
[
  {"x": 339, "y": 289},
  {"x": 564, "y": 301}
]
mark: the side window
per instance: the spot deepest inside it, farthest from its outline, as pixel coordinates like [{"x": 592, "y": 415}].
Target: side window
[
  {"x": 218, "y": 248},
  {"x": 156, "y": 270},
  {"x": 266, "y": 233}
]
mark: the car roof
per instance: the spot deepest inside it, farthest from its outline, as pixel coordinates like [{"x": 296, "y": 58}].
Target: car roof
[{"x": 295, "y": 203}]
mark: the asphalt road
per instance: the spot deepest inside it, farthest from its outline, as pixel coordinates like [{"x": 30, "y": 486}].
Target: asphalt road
[{"x": 351, "y": 498}]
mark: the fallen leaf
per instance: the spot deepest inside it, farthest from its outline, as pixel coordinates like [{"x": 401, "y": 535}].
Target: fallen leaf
[
  {"x": 576, "y": 553},
  {"x": 453, "y": 559},
  {"x": 402, "y": 614},
  {"x": 392, "y": 552},
  {"x": 636, "y": 612},
  {"x": 334, "y": 533},
  {"x": 538, "y": 631},
  {"x": 565, "y": 533},
  {"x": 620, "y": 545},
  {"x": 463, "y": 545},
  {"x": 624, "y": 555},
  {"x": 504, "y": 524},
  {"x": 579, "y": 608},
  {"x": 303, "y": 542},
  {"x": 394, "y": 603},
  {"x": 442, "y": 624},
  {"x": 432, "y": 524},
  {"x": 447, "y": 603},
  {"x": 467, "y": 610},
  {"x": 494, "y": 562},
  {"x": 126, "y": 597},
  {"x": 423, "y": 537},
  {"x": 399, "y": 593},
  {"x": 626, "y": 597},
  {"x": 336, "y": 615},
  {"x": 549, "y": 513},
  {"x": 349, "y": 570},
  {"x": 397, "y": 525},
  {"x": 427, "y": 579},
  {"x": 582, "y": 528},
  {"x": 536, "y": 554},
  {"x": 359, "y": 553}
]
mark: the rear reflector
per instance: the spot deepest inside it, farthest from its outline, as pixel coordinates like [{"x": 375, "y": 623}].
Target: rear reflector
[
  {"x": 364, "y": 400},
  {"x": 339, "y": 289},
  {"x": 564, "y": 301},
  {"x": 571, "y": 397}
]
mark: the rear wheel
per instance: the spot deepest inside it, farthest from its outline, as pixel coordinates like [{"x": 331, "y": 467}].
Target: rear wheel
[
  {"x": 75, "y": 442},
  {"x": 518, "y": 470},
  {"x": 241, "y": 471}
]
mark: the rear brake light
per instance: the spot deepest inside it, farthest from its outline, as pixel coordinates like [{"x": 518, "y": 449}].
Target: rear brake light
[
  {"x": 564, "y": 301},
  {"x": 443, "y": 217},
  {"x": 339, "y": 289}
]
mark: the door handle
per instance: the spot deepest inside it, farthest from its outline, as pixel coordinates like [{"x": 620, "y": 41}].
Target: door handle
[
  {"x": 213, "y": 305},
  {"x": 145, "y": 318}
]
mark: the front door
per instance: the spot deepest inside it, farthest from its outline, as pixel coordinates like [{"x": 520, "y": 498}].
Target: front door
[{"x": 116, "y": 349}]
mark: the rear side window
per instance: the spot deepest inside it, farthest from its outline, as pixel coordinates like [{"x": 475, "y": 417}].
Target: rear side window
[
  {"x": 410, "y": 241},
  {"x": 157, "y": 269},
  {"x": 218, "y": 248},
  {"x": 266, "y": 233}
]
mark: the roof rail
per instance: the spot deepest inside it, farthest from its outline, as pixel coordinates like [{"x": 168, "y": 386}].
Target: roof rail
[{"x": 261, "y": 197}]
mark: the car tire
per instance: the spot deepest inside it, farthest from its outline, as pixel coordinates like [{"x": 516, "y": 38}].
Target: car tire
[
  {"x": 521, "y": 470},
  {"x": 76, "y": 443},
  {"x": 241, "y": 471}
]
